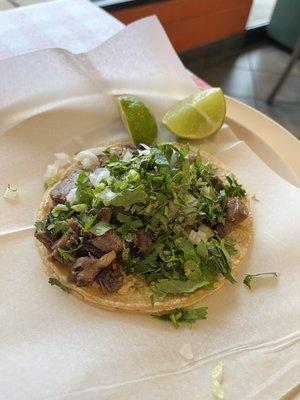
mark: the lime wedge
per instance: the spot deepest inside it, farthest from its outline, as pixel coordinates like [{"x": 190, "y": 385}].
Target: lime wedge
[
  {"x": 138, "y": 119},
  {"x": 198, "y": 116}
]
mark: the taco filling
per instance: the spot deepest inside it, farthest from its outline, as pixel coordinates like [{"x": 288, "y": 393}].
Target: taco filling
[{"x": 161, "y": 213}]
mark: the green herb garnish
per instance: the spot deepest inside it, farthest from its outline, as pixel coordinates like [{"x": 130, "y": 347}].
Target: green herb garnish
[
  {"x": 188, "y": 316},
  {"x": 56, "y": 282},
  {"x": 159, "y": 191},
  {"x": 248, "y": 279}
]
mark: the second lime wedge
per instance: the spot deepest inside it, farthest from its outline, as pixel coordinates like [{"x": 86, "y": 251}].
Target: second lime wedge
[
  {"x": 198, "y": 116},
  {"x": 138, "y": 119}
]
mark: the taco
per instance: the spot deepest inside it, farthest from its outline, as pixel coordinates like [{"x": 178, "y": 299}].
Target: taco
[{"x": 143, "y": 228}]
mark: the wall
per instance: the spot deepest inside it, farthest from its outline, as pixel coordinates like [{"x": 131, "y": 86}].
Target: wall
[{"x": 192, "y": 23}]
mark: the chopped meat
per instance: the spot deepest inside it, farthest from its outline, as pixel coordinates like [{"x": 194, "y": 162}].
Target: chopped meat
[
  {"x": 59, "y": 193},
  {"x": 104, "y": 214},
  {"x": 107, "y": 242},
  {"x": 88, "y": 249},
  {"x": 223, "y": 230},
  {"x": 75, "y": 225},
  {"x": 44, "y": 238},
  {"x": 142, "y": 241},
  {"x": 66, "y": 242},
  {"x": 111, "y": 278},
  {"x": 102, "y": 159},
  {"x": 216, "y": 183},
  {"x": 119, "y": 210},
  {"x": 192, "y": 157},
  {"x": 85, "y": 269},
  {"x": 133, "y": 148},
  {"x": 236, "y": 210}
]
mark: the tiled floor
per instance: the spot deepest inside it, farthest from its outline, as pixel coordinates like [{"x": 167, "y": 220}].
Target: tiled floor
[{"x": 250, "y": 78}]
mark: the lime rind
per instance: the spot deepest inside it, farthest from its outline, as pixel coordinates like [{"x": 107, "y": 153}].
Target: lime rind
[
  {"x": 198, "y": 116},
  {"x": 138, "y": 119}
]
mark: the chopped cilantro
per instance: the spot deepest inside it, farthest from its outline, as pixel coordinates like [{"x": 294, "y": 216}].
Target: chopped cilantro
[
  {"x": 162, "y": 191},
  {"x": 253, "y": 197},
  {"x": 56, "y": 282},
  {"x": 188, "y": 316},
  {"x": 248, "y": 279}
]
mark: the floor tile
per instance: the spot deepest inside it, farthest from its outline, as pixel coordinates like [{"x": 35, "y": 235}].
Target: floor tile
[
  {"x": 269, "y": 58},
  {"x": 264, "y": 83},
  {"x": 240, "y": 61},
  {"x": 287, "y": 115},
  {"x": 5, "y": 5},
  {"x": 234, "y": 82}
]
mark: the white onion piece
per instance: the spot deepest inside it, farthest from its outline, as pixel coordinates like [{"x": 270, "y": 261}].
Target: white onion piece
[
  {"x": 10, "y": 193},
  {"x": 87, "y": 159},
  {"x": 72, "y": 196},
  {"x": 186, "y": 351},
  {"x": 98, "y": 176}
]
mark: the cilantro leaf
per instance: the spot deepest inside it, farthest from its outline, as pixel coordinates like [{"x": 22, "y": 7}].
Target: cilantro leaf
[
  {"x": 57, "y": 282},
  {"x": 176, "y": 286},
  {"x": 248, "y": 279},
  {"x": 178, "y": 316}
]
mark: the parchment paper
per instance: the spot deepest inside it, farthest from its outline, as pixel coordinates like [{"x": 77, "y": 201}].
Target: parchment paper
[{"x": 52, "y": 346}]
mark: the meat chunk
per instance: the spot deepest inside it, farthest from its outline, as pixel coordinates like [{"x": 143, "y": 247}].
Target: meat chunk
[
  {"x": 88, "y": 249},
  {"x": 192, "y": 157},
  {"x": 66, "y": 242},
  {"x": 85, "y": 269},
  {"x": 59, "y": 193},
  {"x": 236, "y": 210},
  {"x": 142, "y": 242},
  {"x": 104, "y": 214},
  {"x": 76, "y": 226},
  {"x": 44, "y": 238},
  {"x": 102, "y": 159},
  {"x": 111, "y": 278},
  {"x": 216, "y": 183},
  {"x": 119, "y": 210},
  {"x": 107, "y": 242}
]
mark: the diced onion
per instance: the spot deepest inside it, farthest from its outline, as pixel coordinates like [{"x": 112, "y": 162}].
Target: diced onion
[
  {"x": 87, "y": 159},
  {"x": 52, "y": 171},
  {"x": 216, "y": 381},
  {"x": 203, "y": 233},
  {"x": 72, "y": 196},
  {"x": 10, "y": 193},
  {"x": 127, "y": 156},
  {"x": 98, "y": 176},
  {"x": 186, "y": 351}
]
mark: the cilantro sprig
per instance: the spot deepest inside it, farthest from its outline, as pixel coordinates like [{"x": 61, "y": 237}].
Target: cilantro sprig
[
  {"x": 249, "y": 278},
  {"x": 186, "y": 316},
  {"x": 57, "y": 282}
]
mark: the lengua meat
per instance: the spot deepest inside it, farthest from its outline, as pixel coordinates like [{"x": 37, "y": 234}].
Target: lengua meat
[
  {"x": 108, "y": 242},
  {"x": 59, "y": 193},
  {"x": 236, "y": 210},
  {"x": 44, "y": 238},
  {"x": 142, "y": 242},
  {"x": 85, "y": 269},
  {"x": 111, "y": 278}
]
